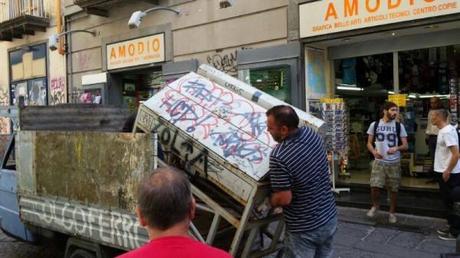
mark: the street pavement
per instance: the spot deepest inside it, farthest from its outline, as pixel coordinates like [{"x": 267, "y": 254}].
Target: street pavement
[
  {"x": 357, "y": 237},
  {"x": 12, "y": 248},
  {"x": 412, "y": 236}
]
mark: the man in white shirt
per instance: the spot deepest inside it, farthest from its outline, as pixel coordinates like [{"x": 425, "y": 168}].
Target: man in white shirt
[
  {"x": 431, "y": 133},
  {"x": 446, "y": 166}
]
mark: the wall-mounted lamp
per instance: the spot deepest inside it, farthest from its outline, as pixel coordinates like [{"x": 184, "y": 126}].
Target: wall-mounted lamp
[
  {"x": 136, "y": 18},
  {"x": 53, "y": 40}
]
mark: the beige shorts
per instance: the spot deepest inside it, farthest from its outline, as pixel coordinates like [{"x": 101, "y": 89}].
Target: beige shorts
[{"x": 384, "y": 173}]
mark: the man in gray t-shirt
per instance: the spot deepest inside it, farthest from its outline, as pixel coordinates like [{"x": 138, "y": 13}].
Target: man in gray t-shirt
[{"x": 385, "y": 142}]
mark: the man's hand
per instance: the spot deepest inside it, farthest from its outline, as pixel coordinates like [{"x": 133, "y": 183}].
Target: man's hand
[
  {"x": 281, "y": 198},
  {"x": 446, "y": 176},
  {"x": 377, "y": 155},
  {"x": 392, "y": 150}
]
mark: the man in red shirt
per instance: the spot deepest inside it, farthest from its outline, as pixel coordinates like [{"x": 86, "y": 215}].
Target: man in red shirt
[{"x": 165, "y": 208}]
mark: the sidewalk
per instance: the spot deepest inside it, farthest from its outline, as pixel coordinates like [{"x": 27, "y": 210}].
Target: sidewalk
[{"x": 411, "y": 236}]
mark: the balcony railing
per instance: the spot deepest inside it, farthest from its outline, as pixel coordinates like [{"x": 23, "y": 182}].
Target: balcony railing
[
  {"x": 101, "y": 7},
  {"x": 11, "y": 9},
  {"x": 23, "y": 17}
]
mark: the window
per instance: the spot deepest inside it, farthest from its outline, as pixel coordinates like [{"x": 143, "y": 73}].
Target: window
[
  {"x": 28, "y": 75},
  {"x": 274, "y": 81}
]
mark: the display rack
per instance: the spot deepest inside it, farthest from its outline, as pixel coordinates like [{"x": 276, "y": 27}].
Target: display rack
[{"x": 334, "y": 113}]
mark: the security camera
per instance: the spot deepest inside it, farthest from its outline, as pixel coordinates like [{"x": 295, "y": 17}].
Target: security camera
[
  {"x": 53, "y": 42},
  {"x": 226, "y": 3},
  {"x": 135, "y": 19}
]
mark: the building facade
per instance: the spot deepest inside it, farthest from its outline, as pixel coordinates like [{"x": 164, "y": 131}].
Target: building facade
[
  {"x": 369, "y": 51},
  {"x": 29, "y": 69},
  {"x": 126, "y": 65}
]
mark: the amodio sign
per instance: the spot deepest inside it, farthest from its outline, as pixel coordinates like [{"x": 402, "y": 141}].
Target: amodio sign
[
  {"x": 146, "y": 50},
  {"x": 330, "y": 16}
]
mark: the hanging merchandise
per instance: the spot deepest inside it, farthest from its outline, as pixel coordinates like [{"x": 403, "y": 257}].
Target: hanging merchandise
[
  {"x": 334, "y": 113},
  {"x": 453, "y": 101}
]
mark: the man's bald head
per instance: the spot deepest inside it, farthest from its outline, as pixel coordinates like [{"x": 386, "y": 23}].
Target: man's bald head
[{"x": 165, "y": 198}]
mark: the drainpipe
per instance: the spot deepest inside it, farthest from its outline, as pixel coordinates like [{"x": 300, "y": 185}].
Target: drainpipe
[{"x": 59, "y": 25}]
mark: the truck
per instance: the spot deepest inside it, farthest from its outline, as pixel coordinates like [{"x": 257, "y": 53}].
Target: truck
[{"x": 71, "y": 171}]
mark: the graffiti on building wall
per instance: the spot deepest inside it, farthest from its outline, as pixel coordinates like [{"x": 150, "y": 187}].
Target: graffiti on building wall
[
  {"x": 224, "y": 62},
  {"x": 84, "y": 61},
  {"x": 5, "y": 122},
  {"x": 57, "y": 91},
  {"x": 226, "y": 123},
  {"x": 4, "y": 97}
]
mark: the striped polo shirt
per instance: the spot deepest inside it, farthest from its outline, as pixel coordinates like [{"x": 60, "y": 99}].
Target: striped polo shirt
[{"x": 299, "y": 164}]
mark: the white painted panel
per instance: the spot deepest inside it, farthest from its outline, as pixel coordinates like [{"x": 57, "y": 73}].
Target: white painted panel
[{"x": 227, "y": 124}]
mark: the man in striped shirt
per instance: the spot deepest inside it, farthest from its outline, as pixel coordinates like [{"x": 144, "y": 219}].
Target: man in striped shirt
[{"x": 299, "y": 176}]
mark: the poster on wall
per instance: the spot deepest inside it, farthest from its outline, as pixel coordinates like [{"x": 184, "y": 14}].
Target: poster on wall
[
  {"x": 314, "y": 72},
  {"x": 314, "y": 107},
  {"x": 37, "y": 92}
]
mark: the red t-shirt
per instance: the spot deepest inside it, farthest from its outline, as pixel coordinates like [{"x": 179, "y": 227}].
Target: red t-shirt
[{"x": 176, "y": 246}]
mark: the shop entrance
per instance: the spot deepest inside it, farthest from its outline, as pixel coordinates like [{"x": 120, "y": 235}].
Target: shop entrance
[
  {"x": 135, "y": 86},
  {"x": 366, "y": 82}
]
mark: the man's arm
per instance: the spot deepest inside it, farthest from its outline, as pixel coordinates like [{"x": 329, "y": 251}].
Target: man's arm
[
  {"x": 404, "y": 146},
  {"x": 370, "y": 147},
  {"x": 452, "y": 162},
  {"x": 281, "y": 198}
]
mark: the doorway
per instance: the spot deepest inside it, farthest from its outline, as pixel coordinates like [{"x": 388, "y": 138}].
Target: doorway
[{"x": 366, "y": 82}]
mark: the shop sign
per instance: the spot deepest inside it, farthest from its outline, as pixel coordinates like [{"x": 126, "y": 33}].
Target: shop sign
[
  {"x": 145, "y": 50},
  {"x": 332, "y": 100},
  {"x": 398, "y": 99},
  {"x": 330, "y": 16}
]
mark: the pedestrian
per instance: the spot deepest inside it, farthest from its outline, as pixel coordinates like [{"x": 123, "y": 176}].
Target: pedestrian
[
  {"x": 299, "y": 176},
  {"x": 447, "y": 167},
  {"x": 165, "y": 208},
  {"x": 431, "y": 133},
  {"x": 386, "y": 139}
]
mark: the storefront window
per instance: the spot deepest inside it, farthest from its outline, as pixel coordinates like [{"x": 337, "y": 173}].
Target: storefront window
[
  {"x": 427, "y": 71},
  {"x": 364, "y": 83},
  {"x": 367, "y": 82},
  {"x": 274, "y": 81},
  {"x": 140, "y": 86},
  {"x": 423, "y": 74},
  {"x": 367, "y": 72},
  {"x": 28, "y": 75}
]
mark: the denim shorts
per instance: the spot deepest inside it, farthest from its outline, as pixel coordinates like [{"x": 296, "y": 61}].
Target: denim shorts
[{"x": 311, "y": 244}]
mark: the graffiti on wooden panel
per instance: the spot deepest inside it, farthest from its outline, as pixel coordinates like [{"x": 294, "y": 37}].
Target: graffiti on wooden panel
[
  {"x": 109, "y": 227},
  {"x": 226, "y": 123}
]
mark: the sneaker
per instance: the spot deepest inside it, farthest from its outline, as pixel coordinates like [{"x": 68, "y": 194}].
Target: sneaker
[
  {"x": 448, "y": 237},
  {"x": 444, "y": 231},
  {"x": 392, "y": 218},
  {"x": 371, "y": 213}
]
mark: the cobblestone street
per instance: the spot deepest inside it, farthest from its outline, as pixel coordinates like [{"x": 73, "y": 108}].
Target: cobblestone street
[
  {"x": 12, "y": 248},
  {"x": 357, "y": 237}
]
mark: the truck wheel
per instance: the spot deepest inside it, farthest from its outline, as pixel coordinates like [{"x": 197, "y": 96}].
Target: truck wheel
[{"x": 81, "y": 253}]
